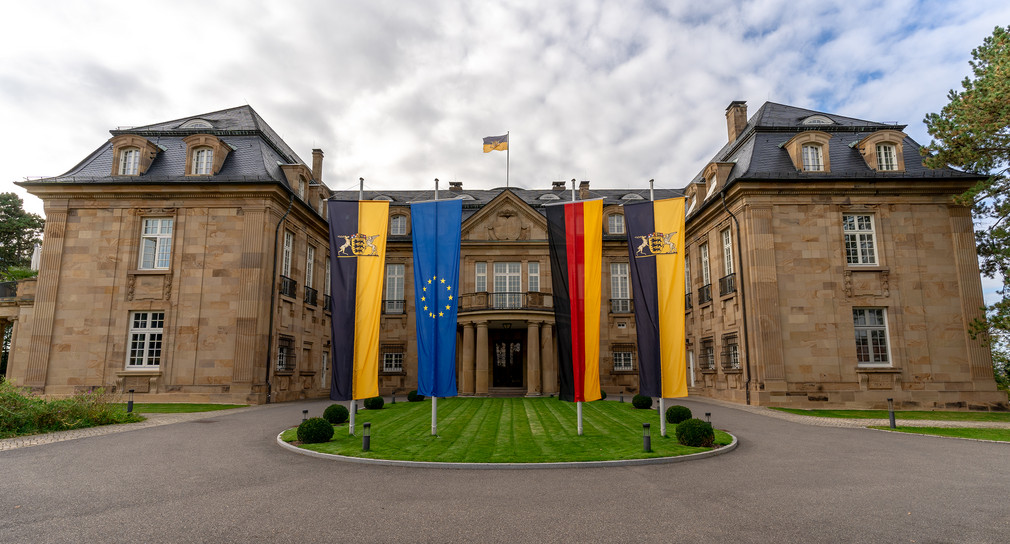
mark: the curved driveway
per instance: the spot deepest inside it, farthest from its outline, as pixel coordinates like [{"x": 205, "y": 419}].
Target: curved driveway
[{"x": 222, "y": 478}]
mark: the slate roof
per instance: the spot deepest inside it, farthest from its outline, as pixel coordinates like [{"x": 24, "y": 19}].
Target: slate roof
[
  {"x": 475, "y": 199},
  {"x": 256, "y": 152}
]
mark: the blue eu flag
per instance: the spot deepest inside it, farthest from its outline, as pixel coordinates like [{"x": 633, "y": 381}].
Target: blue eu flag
[{"x": 435, "y": 230}]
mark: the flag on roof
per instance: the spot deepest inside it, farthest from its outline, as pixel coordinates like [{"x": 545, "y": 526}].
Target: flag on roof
[{"x": 496, "y": 143}]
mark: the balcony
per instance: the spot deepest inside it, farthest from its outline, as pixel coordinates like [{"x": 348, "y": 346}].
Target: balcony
[
  {"x": 687, "y": 302},
  {"x": 727, "y": 285},
  {"x": 705, "y": 294},
  {"x": 288, "y": 286},
  {"x": 285, "y": 359},
  {"x": 8, "y": 289},
  {"x": 706, "y": 362},
  {"x": 620, "y": 305},
  {"x": 310, "y": 296},
  {"x": 393, "y": 307},
  {"x": 328, "y": 303},
  {"x": 532, "y": 300}
]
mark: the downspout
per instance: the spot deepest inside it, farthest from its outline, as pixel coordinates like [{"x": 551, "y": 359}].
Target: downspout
[
  {"x": 743, "y": 299},
  {"x": 273, "y": 293}
]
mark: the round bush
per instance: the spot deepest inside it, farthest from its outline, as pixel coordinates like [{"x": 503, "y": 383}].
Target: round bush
[
  {"x": 603, "y": 395},
  {"x": 336, "y": 414},
  {"x": 414, "y": 397},
  {"x": 374, "y": 403},
  {"x": 641, "y": 402},
  {"x": 677, "y": 413},
  {"x": 315, "y": 430},
  {"x": 695, "y": 432}
]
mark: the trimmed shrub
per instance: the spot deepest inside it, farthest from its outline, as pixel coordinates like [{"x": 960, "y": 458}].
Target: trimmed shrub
[
  {"x": 414, "y": 397},
  {"x": 696, "y": 433},
  {"x": 603, "y": 395},
  {"x": 374, "y": 403},
  {"x": 315, "y": 430},
  {"x": 336, "y": 414},
  {"x": 641, "y": 402},
  {"x": 677, "y": 413}
]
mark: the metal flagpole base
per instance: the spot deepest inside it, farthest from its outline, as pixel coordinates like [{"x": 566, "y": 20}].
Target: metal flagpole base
[
  {"x": 434, "y": 416},
  {"x": 354, "y": 408},
  {"x": 662, "y": 417},
  {"x": 579, "y": 408}
]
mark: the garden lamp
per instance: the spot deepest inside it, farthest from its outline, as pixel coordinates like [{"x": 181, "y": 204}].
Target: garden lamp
[
  {"x": 305, "y": 415},
  {"x": 646, "y": 438},
  {"x": 129, "y": 403},
  {"x": 366, "y": 436}
]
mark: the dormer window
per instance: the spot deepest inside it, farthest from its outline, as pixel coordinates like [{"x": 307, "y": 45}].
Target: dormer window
[
  {"x": 549, "y": 196},
  {"x": 690, "y": 205},
  {"x": 205, "y": 154},
  {"x": 712, "y": 182},
  {"x": 883, "y": 150},
  {"x": 398, "y": 225},
  {"x": 615, "y": 224},
  {"x": 632, "y": 196},
  {"x": 885, "y": 158},
  {"x": 813, "y": 158},
  {"x": 196, "y": 123},
  {"x": 809, "y": 151},
  {"x": 818, "y": 120},
  {"x": 203, "y": 161},
  {"x": 129, "y": 160}
]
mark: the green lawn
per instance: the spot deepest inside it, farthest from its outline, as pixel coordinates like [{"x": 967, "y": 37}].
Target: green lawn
[
  {"x": 918, "y": 415},
  {"x": 180, "y": 408},
  {"x": 507, "y": 430},
  {"x": 1001, "y": 435}
]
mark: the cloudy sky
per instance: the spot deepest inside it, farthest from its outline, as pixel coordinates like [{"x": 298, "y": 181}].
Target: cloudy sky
[{"x": 402, "y": 92}]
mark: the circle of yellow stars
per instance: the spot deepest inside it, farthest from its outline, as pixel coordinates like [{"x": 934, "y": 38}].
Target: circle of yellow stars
[{"x": 431, "y": 307}]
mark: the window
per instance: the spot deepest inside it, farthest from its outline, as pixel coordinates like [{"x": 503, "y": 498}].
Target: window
[
  {"x": 289, "y": 243},
  {"x": 301, "y": 187},
  {"x": 146, "y": 330},
  {"x": 687, "y": 272},
  {"x": 326, "y": 286},
  {"x": 615, "y": 224},
  {"x": 506, "y": 285},
  {"x": 690, "y": 366},
  {"x": 711, "y": 186},
  {"x": 394, "y": 289},
  {"x": 285, "y": 354},
  {"x": 203, "y": 161},
  {"x": 156, "y": 243},
  {"x": 398, "y": 225},
  {"x": 813, "y": 160},
  {"x": 886, "y": 158},
  {"x": 310, "y": 265},
  {"x": 730, "y": 353},
  {"x": 727, "y": 253},
  {"x": 706, "y": 277},
  {"x": 707, "y": 361},
  {"x": 860, "y": 248},
  {"x": 480, "y": 277},
  {"x": 129, "y": 161},
  {"x": 690, "y": 205},
  {"x": 392, "y": 358},
  {"x": 620, "y": 299},
  {"x": 533, "y": 276},
  {"x": 624, "y": 357},
  {"x": 871, "y": 336}
]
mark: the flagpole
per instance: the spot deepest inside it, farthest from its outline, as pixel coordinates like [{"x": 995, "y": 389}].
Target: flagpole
[
  {"x": 573, "y": 189},
  {"x": 354, "y": 403},
  {"x": 578, "y": 407},
  {"x": 662, "y": 409},
  {"x": 508, "y": 148},
  {"x": 434, "y": 399}
]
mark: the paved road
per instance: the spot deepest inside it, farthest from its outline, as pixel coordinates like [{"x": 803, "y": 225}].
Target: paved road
[{"x": 221, "y": 478}]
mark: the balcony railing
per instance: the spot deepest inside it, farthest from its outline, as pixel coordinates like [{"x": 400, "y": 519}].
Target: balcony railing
[
  {"x": 8, "y": 289},
  {"x": 505, "y": 301},
  {"x": 393, "y": 306},
  {"x": 328, "y": 303},
  {"x": 706, "y": 362},
  {"x": 705, "y": 294},
  {"x": 310, "y": 296},
  {"x": 288, "y": 286},
  {"x": 620, "y": 305},
  {"x": 687, "y": 302},
  {"x": 727, "y": 284}
]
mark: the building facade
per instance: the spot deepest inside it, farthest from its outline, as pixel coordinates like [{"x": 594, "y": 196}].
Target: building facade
[{"x": 188, "y": 260}]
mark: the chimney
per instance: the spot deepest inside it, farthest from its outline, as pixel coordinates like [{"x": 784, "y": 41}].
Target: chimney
[
  {"x": 558, "y": 185},
  {"x": 583, "y": 190},
  {"x": 736, "y": 118},
  {"x": 317, "y": 165},
  {"x": 456, "y": 186}
]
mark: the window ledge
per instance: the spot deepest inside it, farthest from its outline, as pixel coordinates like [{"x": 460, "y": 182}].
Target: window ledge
[
  {"x": 878, "y": 369},
  {"x": 866, "y": 268},
  {"x": 284, "y": 373},
  {"x": 732, "y": 371},
  {"x": 400, "y": 373},
  {"x": 623, "y": 372},
  {"x": 306, "y": 372},
  {"x": 139, "y": 372},
  {"x": 709, "y": 371},
  {"x": 150, "y": 272},
  {"x": 727, "y": 296}
]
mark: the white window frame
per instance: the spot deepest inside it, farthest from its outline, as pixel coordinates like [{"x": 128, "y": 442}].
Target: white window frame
[
  {"x": 480, "y": 277},
  {"x": 203, "y": 161},
  {"x": 615, "y": 223},
  {"x": 394, "y": 288},
  {"x": 620, "y": 287},
  {"x": 624, "y": 360},
  {"x": 872, "y": 334},
  {"x": 392, "y": 361},
  {"x": 398, "y": 225},
  {"x": 690, "y": 365},
  {"x": 690, "y": 205},
  {"x": 129, "y": 161},
  {"x": 711, "y": 186},
  {"x": 145, "y": 340},
  {"x": 860, "y": 237},
  {"x": 326, "y": 286},
  {"x": 533, "y": 276},
  {"x": 727, "y": 252},
  {"x": 156, "y": 243},
  {"x": 887, "y": 158},
  {"x": 310, "y": 265},
  {"x": 687, "y": 272},
  {"x": 706, "y": 273},
  {"x": 813, "y": 158},
  {"x": 289, "y": 243},
  {"x": 507, "y": 284}
]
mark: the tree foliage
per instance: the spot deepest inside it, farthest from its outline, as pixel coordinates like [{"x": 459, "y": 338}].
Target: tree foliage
[
  {"x": 19, "y": 232},
  {"x": 972, "y": 133}
]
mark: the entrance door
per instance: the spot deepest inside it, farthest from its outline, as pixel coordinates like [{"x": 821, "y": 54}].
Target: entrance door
[{"x": 507, "y": 358}]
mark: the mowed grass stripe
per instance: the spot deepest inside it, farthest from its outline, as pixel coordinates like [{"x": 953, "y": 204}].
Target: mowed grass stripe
[{"x": 525, "y": 443}]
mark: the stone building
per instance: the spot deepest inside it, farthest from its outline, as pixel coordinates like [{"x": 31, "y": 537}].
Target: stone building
[{"x": 826, "y": 267}]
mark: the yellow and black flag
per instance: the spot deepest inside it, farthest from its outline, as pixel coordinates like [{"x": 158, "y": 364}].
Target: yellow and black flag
[
  {"x": 655, "y": 246},
  {"x": 496, "y": 143},
  {"x": 357, "y": 257}
]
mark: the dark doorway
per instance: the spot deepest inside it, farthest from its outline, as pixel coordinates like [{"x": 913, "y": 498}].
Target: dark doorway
[{"x": 507, "y": 358}]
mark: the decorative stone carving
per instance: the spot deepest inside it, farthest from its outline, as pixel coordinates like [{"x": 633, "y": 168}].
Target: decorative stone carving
[
  {"x": 884, "y": 283},
  {"x": 848, "y": 283},
  {"x": 131, "y": 287},
  {"x": 506, "y": 226}
]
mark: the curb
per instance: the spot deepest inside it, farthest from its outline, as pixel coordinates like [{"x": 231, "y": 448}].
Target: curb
[{"x": 514, "y": 466}]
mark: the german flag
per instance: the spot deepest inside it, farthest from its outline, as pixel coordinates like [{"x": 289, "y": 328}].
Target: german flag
[
  {"x": 655, "y": 233},
  {"x": 357, "y": 257},
  {"x": 575, "y": 239}
]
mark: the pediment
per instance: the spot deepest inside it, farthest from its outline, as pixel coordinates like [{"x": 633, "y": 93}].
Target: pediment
[{"x": 505, "y": 218}]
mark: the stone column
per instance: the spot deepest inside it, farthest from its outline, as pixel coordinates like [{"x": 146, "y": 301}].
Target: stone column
[
  {"x": 550, "y": 363},
  {"x": 467, "y": 353},
  {"x": 482, "y": 362},
  {"x": 45, "y": 297},
  {"x": 533, "y": 388}
]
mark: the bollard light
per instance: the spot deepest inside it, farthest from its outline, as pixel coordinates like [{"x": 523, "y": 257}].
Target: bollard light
[
  {"x": 622, "y": 397},
  {"x": 394, "y": 398},
  {"x": 708, "y": 417},
  {"x": 305, "y": 415},
  {"x": 890, "y": 411},
  {"x": 366, "y": 436},
  {"x": 129, "y": 403},
  {"x": 646, "y": 438}
]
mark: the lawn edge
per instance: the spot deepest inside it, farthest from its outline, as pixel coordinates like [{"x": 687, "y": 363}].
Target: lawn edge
[
  {"x": 514, "y": 466},
  {"x": 903, "y": 433}
]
